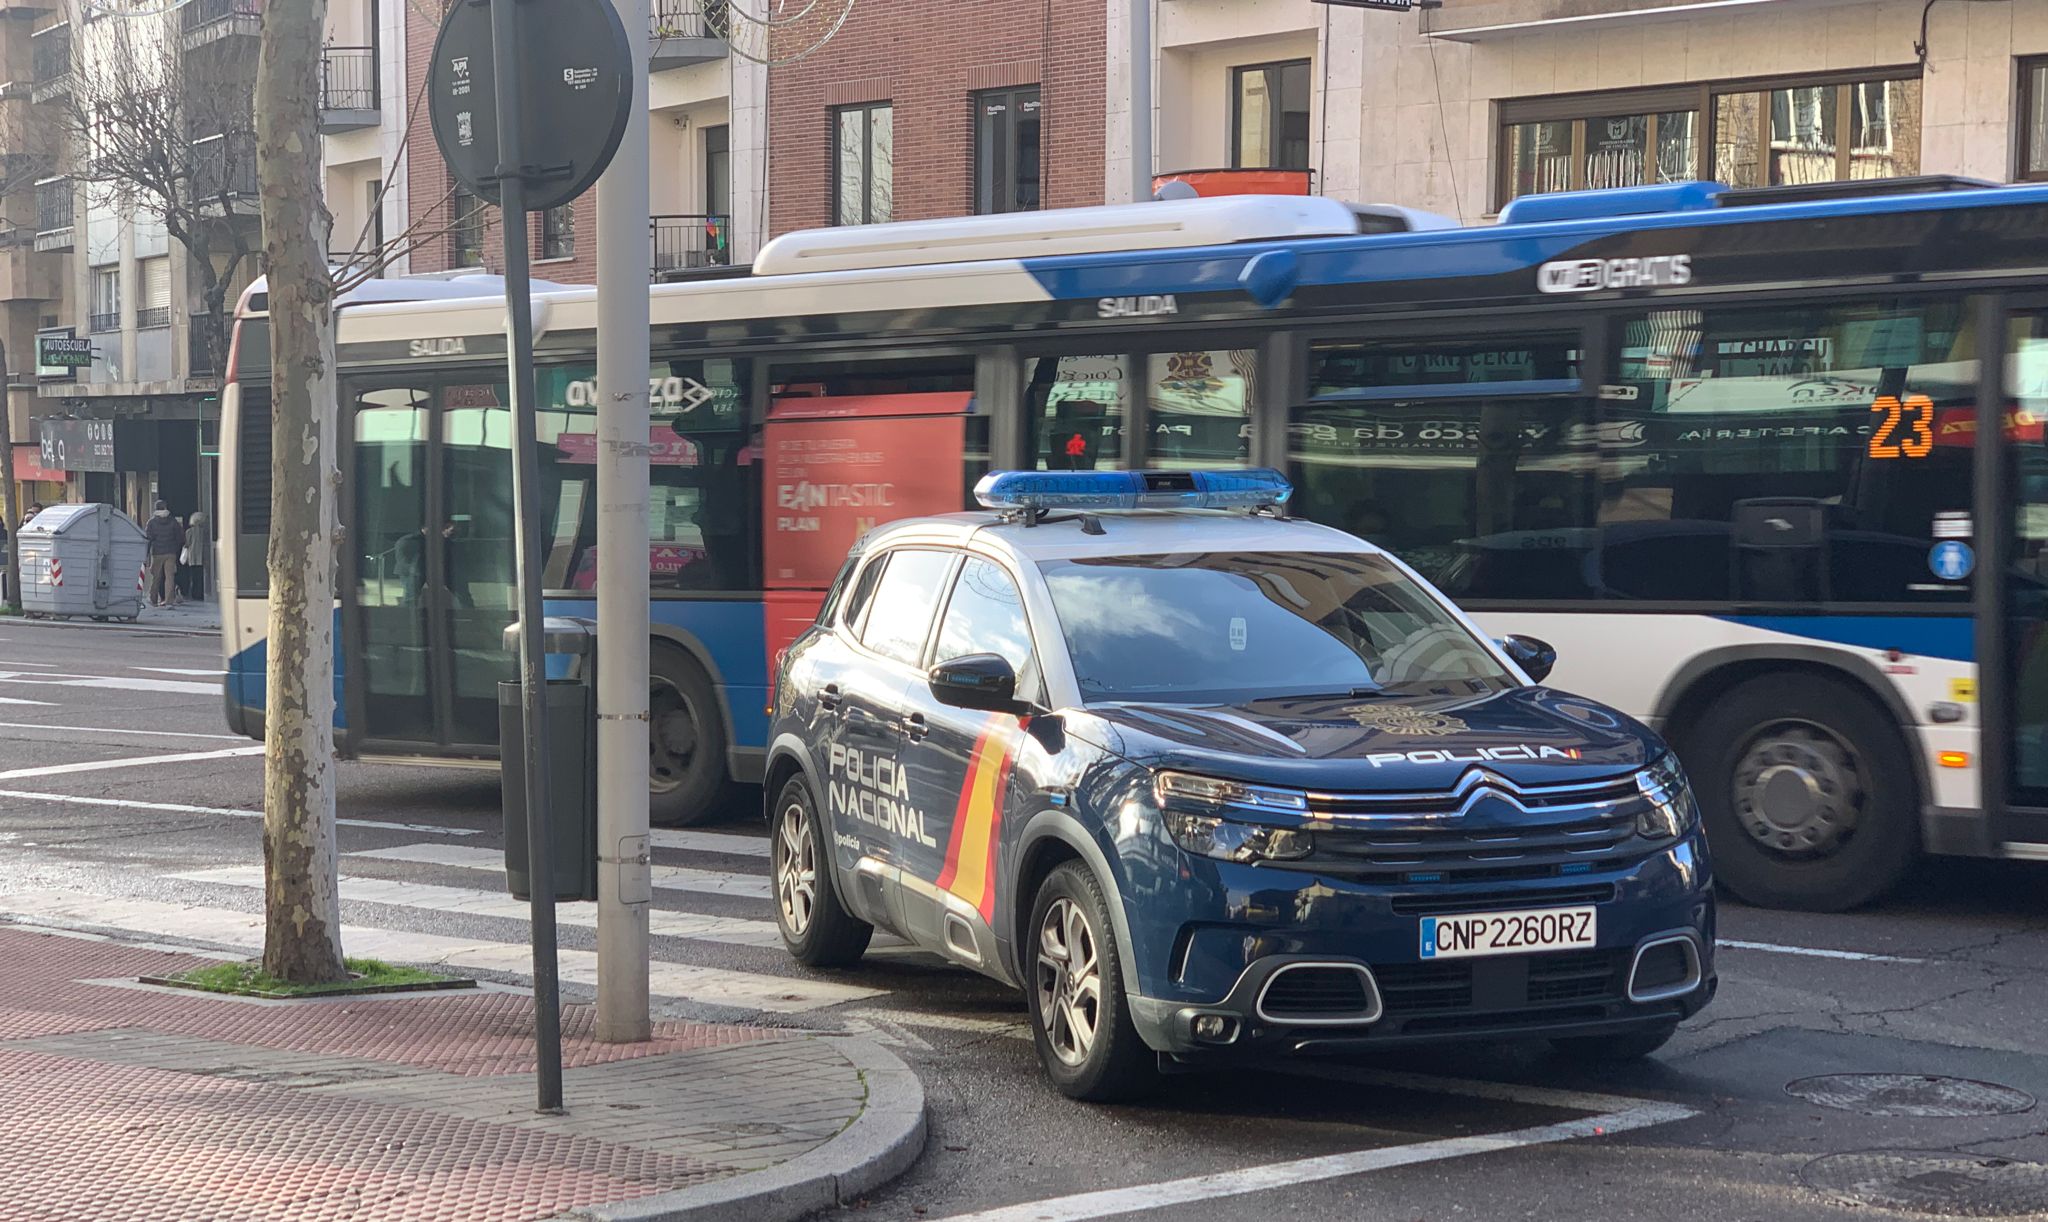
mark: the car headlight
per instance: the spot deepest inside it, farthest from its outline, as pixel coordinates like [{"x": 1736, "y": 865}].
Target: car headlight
[
  {"x": 1671, "y": 811},
  {"x": 1186, "y": 802}
]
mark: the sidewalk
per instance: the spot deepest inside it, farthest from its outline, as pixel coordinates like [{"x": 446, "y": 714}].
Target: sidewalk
[
  {"x": 141, "y": 1103},
  {"x": 186, "y": 619}
]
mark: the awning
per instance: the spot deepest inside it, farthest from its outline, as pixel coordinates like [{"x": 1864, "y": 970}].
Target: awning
[{"x": 28, "y": 465}]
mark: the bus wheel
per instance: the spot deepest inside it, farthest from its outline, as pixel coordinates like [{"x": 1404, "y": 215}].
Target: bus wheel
[
  {"x": 685, "y": 742},
  {"x": 1808, "y": 800}
]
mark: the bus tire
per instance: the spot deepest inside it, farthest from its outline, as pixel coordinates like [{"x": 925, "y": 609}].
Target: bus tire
[
  {"x": 686, "y": 781},
  {"x": 1808, "y": 800}
]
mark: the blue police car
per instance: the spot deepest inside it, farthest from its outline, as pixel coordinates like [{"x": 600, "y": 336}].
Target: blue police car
[{"x": 1206, "y": 782}]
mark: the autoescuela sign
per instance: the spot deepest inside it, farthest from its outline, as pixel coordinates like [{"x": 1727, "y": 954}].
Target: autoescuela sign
[{"x": 61, "y": 354}]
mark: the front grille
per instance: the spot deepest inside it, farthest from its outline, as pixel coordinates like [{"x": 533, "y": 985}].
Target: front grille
[
  {"x": 1314, "y": 991},
  {"x": 1499, "y": 901},
  {"x": 1406, "y": 988},
  {"x": 1507, "y": 982},
  {"x": 1575, "y": 976}
]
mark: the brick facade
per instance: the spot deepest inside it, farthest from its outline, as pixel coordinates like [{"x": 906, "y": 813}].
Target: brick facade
[{"x": 926, "y": 58}]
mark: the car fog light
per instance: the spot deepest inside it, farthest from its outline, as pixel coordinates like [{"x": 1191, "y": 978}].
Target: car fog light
[{"x": 1215, "y": 1028}]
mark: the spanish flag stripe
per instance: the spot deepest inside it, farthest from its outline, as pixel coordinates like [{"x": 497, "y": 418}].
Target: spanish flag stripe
[
  {"x": 986, "y": 903},
  {"x": 970, "y": 864},
  {"x": 960, "y": 816}
]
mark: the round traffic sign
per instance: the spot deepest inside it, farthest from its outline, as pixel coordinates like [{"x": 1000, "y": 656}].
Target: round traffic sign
[{"x": 575, "y": 82}]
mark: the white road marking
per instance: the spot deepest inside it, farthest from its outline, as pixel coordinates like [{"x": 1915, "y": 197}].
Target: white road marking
[
  {"x": 180, "y": 808},
  {"x": 12, "y": 700},
  {"x": 471, "y": 901},
  {"x": 1111, "y": 1202},
  {"x": 669, "y": 878},
  {"x": 139, "y": 761},
  {"x": 1814, "y": 952},
  {"x": 710, "y": 842},
  {"x": 118, "y": 685},
  {"x": 1016, "y": 1029},
  {"x": 244, "y": 931},
  {"x": 178, "y": 670},
  {"x": 36, "y": 725}
]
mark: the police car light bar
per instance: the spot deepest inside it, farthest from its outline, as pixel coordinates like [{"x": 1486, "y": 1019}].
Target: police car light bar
[{"x": 1237, "y": 488}]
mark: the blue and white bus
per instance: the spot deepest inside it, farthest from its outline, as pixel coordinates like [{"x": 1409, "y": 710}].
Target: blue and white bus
[{"x": 1720, "y": 447}]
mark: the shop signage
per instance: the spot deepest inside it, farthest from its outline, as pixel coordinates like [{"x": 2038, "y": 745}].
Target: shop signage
[
  {"x": 77, "y": 445},
  {"x": 61, "y": 354}
]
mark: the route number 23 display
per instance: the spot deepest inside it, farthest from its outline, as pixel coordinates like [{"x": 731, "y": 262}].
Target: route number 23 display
[{"x": 1907, "y": 430}]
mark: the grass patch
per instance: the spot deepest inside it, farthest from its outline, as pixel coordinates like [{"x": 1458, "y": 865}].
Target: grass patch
[{"x": 365, "y": 976}]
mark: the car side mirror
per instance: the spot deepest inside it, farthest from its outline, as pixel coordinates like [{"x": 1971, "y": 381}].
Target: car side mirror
[
  {"x": 1536, "y": 658},
  {"x": 982, "y": 681}
]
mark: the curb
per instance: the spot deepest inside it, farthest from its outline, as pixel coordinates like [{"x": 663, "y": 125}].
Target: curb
[
  {"x": 881, "y": 1144},
  {"x": 109, "y": 626}
]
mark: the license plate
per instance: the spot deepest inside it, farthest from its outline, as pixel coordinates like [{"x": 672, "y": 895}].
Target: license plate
[{"x": 1508, "y": 933}]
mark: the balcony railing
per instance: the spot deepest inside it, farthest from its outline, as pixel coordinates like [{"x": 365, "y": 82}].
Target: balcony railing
[
  {"x": 682, "y": 243},
  {"x": 224, "y": 171},
  {"x": 50, "y": 60},
  {"x": 685, "y": 32},
  {"x": 198, "y": 358},
  {"x": 207, "y": 20},
  {"x": 56, "y": 214},
  {"x": 100, "y": 324},
  {"x": 154, "y": 316},
  {"x": 348, "y": 88}
]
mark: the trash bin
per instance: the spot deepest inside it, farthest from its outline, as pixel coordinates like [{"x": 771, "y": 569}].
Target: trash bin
[
  {"x": 571, "y": 811},
  {"x": 82, "y": 560}
]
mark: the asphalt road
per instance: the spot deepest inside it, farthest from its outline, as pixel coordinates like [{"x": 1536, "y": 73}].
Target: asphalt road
[{"x": 1949, "y": 979}]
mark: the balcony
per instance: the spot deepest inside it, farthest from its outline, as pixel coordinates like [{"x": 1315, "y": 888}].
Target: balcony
[
  {"x": 224, "y": 175},
  {"x": 101, "y": 324},
  {"x": 680, "y": 33},
  {"x": 56, "y": 214},
  {"x": 153, "y": 318},
  {"x": 27, "y": 276},
  {"x": 686, "y": 243},
  {"x": 211, "y": 21},
  {"x": 348, "y": 89},
  {"x": 50, "y": 59},
  {"x": 198, "y": 359}
]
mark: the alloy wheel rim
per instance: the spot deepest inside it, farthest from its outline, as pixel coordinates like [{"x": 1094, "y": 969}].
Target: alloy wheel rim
[
  {"x": 1069, "y": 981},
  {"x": 796, "y": 870},
  {"x": 1797, "y": 789}
]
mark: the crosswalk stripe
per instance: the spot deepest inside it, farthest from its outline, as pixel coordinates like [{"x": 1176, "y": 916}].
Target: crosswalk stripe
[
  {"x": 710, "y": 842},
  {"x": 467, "y": 901},
  {"x": 244, "y": 931},
  {"x": 668, "y": 878}
]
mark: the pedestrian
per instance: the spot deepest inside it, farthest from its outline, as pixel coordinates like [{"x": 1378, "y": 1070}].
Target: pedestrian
[
  {"x": 34, "y": 508},
  {"x": 192, "y": 561},
  {"x": 165, "y": 538}
]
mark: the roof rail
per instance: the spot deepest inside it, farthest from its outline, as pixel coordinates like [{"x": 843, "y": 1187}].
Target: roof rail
[
  {"x": 1856, "y": 188},
  {"x": 1157, "y": 225},
  {"x": 1610, "y": 201}
]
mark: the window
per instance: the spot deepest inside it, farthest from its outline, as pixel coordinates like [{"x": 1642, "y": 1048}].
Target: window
[
  {"x": 863, "y": 590},
  {"x": 373, "y": 205},
  {"x": 1789, "y": 454},
  {"x": 153, "y": 306},
  {"x": 106, "y": 299},
  {"x": 986, "y": 615},
  {"x": 863, "y": 183},
  {"x": 1200, "y": 408},
  {"x": 466, "y": 230},
  {"x": 2032, "y": 158},
  {"x": 1077, "y": 406},
  {"x": 718, "y": 171},
  {"x": 1762, "y": 134},
  {"x": 702, "y": 478},
  {"x": 1269, "y": 116},
  {"x": 558, "y": 232},
  {"x": 1474, "y": 460},
  {"x": 1006, "y": 151},
  {"x": 901, "y": 615},
  {"x": 1196, "y": 406}
]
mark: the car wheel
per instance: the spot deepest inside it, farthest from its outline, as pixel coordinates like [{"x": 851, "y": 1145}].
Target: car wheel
[
  {"x": 1806, "y": 795},
  {"x": 686, "y": 780},
  {"x": 815, "y": 927},
  {"x": 1080, "y": 1017},
  {"x": 1615, "y": 1049}
]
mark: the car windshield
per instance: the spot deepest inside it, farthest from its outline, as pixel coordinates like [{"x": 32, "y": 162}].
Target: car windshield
[{"x": 1216, "y": 627}]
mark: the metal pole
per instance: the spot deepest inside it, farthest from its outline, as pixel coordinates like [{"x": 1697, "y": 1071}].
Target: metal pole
[
  {"x": 623, "y": 883},
  {"x": 1141, "y": 100},
  {"x": 547, "y": 1016}
]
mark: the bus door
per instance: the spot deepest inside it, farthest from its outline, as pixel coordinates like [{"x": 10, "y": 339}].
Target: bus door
[
  {"x": 427, "y": 581},
  {"x": 839, "y": 465},
  {"x": 2023, "y": 503}
]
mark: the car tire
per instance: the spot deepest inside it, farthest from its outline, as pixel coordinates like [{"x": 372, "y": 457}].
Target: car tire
[
  {"x": 1806, "y": 794},
  {"x": 686, "y": 781},
  {"x": 1080, "y": 1015},
  {"x": 815, "y": 926},
  {"x": 1614, "y": 1049}
]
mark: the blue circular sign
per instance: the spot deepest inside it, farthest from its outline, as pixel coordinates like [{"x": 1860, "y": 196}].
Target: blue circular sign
[{"x": 1951, "y": 560}]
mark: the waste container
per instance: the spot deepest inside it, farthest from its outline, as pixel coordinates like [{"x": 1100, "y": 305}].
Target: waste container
[
  {"x": 82, "y": 560},
  {"x": 571, "y": 809}
]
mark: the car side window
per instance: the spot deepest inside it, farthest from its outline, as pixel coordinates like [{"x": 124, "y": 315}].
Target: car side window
[
  {"x": 900, "y": 613},
  {"x": 986, "y": 615},
  {"x": 863, "y": 590}
]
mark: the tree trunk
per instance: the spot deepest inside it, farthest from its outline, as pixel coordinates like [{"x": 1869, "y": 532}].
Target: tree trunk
[
  {"x": 302, "y": 935},
  {"x": 10, "y": 513}
]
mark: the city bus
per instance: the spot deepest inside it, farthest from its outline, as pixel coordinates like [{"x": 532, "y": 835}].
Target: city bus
[{"x": 1721, "y": 448}]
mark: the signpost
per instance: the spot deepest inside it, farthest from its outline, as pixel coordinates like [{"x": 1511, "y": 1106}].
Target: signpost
[
  {"x": 528, "y": 100},
  {"x": 61, "y": 354}
]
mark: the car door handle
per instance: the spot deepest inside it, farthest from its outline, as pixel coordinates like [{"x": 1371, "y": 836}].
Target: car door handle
[
  {"x": 828, "y": 697},
  {"x": 915, "y": 727}
]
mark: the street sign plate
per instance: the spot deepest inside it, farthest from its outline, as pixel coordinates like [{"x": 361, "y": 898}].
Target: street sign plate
[{"x": 575, "y": 90}]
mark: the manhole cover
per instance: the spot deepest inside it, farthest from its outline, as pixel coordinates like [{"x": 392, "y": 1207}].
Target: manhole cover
[
  {"x": 1910, "y": 1094},
  {"x": 1938, "y": 1182}
]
